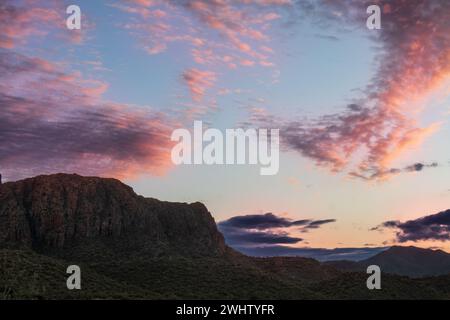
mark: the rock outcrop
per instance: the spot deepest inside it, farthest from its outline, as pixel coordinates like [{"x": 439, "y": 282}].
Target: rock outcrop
[{"x": 61, "y": 211}]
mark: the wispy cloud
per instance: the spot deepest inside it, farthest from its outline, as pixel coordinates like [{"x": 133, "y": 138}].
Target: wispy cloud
[
  {"x": 20, "y": 21},
  {"x": 56, "y": 121},
  {"x": 212, "y": 35},
  {"x": 198, "y": 82},
  {"x": 387, "y": 173},
  {"x": 414, "y": 61}
]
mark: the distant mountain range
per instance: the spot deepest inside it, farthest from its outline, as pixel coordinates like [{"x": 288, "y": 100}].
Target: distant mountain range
[
  {"x": 131, "y": 247},
  {"x": 408, "y": 261},
  {"x": 320, "y": 254}
]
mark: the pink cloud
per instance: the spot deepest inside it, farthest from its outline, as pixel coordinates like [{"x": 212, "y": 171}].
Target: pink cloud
[
  {"x": 55, "y": 121},
  {"x": 378, "y": 129},
  {"x": 217, "y": 33},
  {"x": 198, "y": 81},
  {"x": 247, "y": 63},
  {"x": 20, "y": 22}
]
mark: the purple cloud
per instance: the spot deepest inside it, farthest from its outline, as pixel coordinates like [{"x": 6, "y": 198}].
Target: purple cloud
[
  {"x": 265, "y": 229},
  {"x": 432, "y": 227}
]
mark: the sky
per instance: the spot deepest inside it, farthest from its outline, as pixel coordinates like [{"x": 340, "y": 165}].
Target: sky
[{"x": 363, "y": 114}]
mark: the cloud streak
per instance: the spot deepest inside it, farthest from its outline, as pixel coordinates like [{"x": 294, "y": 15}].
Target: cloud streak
[
  {"x": 432, "y": 227},
  {"x": 198, "y": 82},
  {"x": 55, "y": 121},
  {"x": 20, "y": 21},
  {"x": 265, "y": 229},
  {"x": 213, "y": 36},
  {"x": 413, "y": 62},
  {"x": 387, "y": 173}
]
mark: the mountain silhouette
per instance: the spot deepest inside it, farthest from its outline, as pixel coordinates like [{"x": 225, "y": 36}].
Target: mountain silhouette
[
  {"x": 401, "y": 260},
  {"x": 131, "y": 247}
]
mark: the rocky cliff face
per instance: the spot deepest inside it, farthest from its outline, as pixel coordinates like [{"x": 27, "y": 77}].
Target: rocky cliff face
[{"x": 62, "y": 211}]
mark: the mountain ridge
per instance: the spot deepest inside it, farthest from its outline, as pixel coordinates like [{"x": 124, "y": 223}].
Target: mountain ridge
[
  {"x": 52, "y": 212},
  {"x": 402, "y": 260},
  {"x": 131, "y": 247}
]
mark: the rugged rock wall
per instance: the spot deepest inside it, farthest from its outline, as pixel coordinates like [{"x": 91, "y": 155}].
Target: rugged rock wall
[{"x": 58, "y": 211}]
